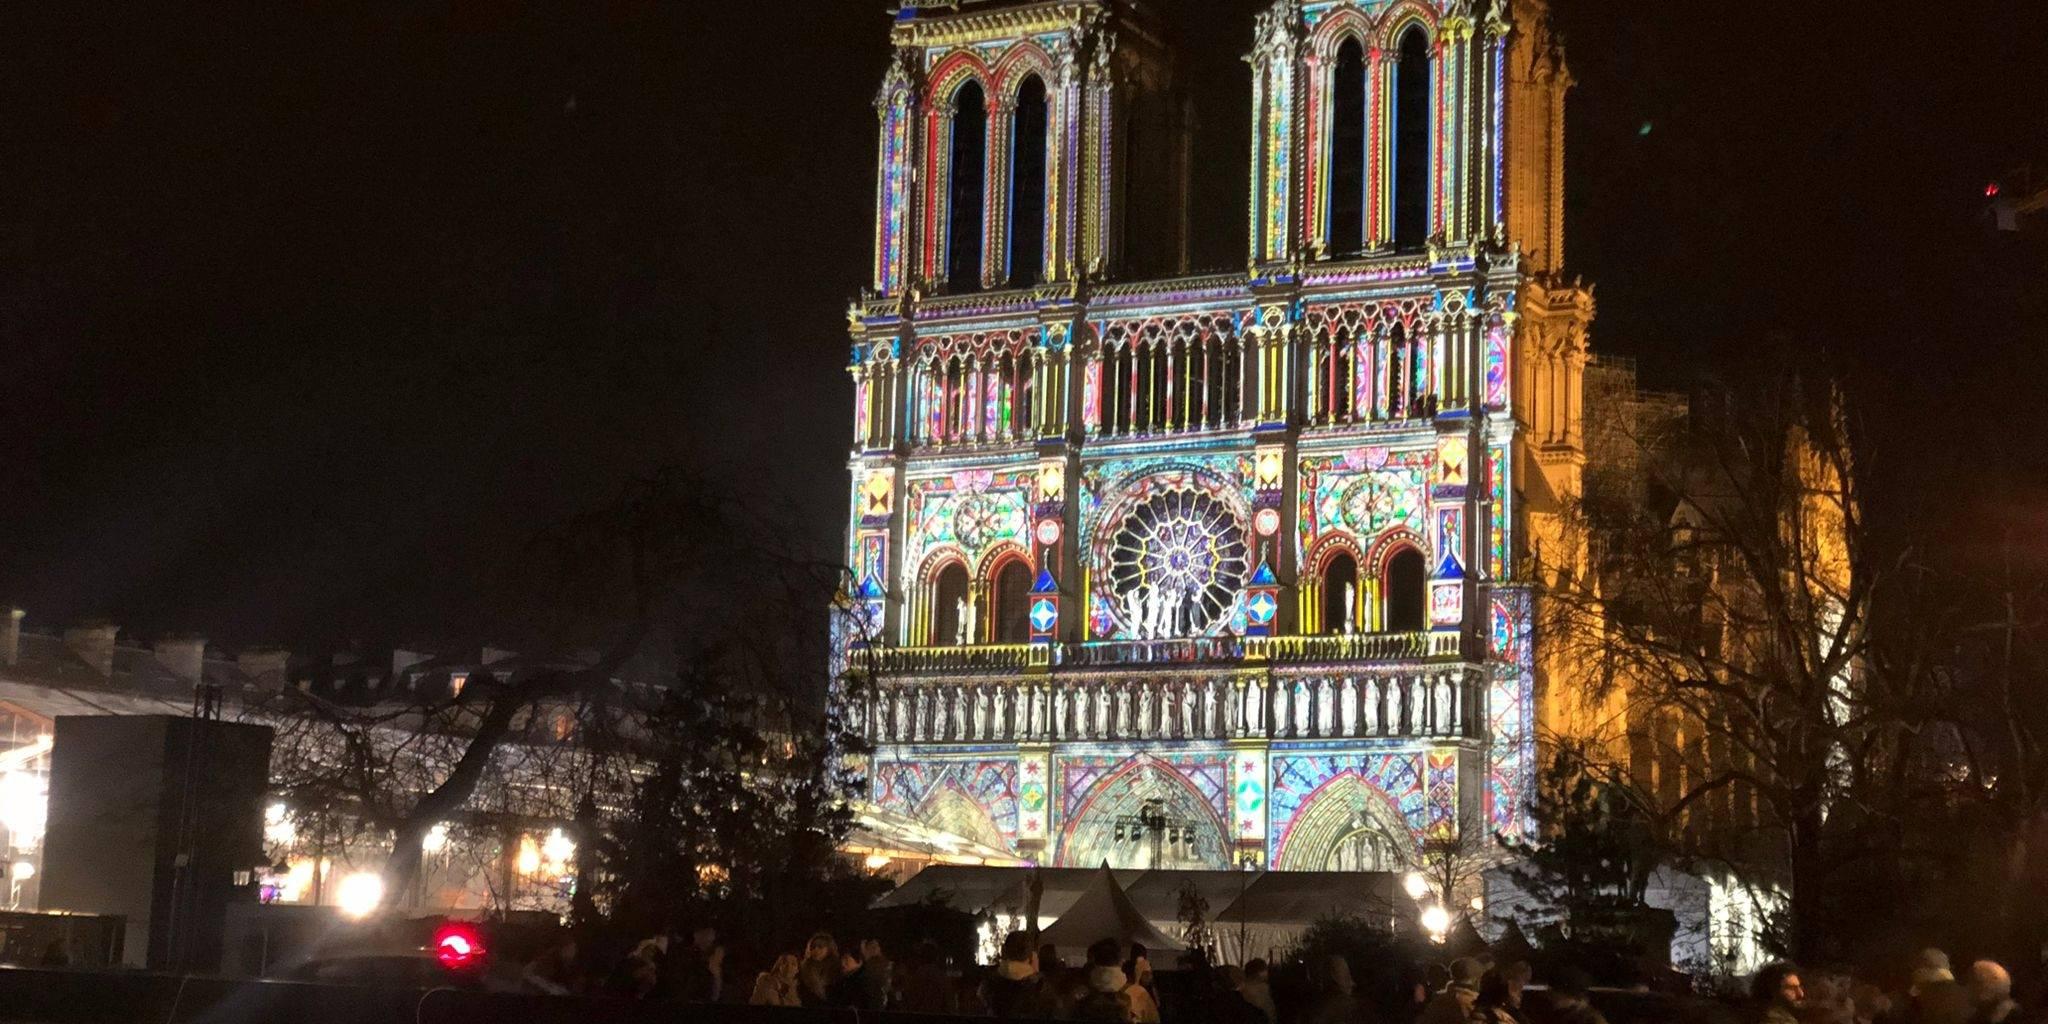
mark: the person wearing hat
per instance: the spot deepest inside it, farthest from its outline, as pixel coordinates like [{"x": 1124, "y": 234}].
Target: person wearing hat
[{"x": 1456, "y": 1003}]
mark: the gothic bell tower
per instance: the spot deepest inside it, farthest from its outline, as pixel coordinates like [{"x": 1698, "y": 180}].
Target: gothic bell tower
[{"x": 1026, "y": 143}]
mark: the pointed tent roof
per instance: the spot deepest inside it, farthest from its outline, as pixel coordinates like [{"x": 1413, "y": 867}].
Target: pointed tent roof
[{"x": 1105, "y": 911}]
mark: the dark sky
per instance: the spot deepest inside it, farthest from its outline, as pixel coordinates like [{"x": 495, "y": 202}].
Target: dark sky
[{"x": 313, "y": 314}]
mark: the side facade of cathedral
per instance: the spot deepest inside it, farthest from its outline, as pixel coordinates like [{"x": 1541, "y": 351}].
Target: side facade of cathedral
[{"x": 1219, "y": 570}]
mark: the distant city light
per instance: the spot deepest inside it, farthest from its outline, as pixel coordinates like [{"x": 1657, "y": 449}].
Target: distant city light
[
  {"x": 528, "y": 860},
  {"x": 435, "y": 840},
  {"x": 1990, "y": 190},
  {"x": 360, "y": 894},
  {"x": 278, "y": 829},
  {"x": 558, "y": 849},
  {"x": 24, "y": 807}
]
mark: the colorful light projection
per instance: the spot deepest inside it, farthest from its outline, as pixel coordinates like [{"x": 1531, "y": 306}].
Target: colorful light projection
[{"x": 1248, "y": 794}]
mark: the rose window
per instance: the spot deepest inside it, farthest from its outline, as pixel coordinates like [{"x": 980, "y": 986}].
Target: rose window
[
  {"x": 975, "y": 520},
  {"x": 1176, "y": 564}
]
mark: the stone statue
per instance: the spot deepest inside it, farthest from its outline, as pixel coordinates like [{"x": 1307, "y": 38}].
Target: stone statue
[{"x": 1350, "y": 608}]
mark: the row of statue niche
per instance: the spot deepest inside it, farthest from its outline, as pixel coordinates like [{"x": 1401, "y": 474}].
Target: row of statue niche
[
  {"x": 1160, "y": 612},
  {"x": 1200, "y": 707}
]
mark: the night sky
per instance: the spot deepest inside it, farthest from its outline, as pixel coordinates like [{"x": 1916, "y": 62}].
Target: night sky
[{"x": 313, "y": 315}]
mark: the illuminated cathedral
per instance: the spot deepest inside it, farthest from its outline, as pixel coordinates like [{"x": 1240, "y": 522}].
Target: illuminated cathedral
[{"x": 1223, "y": 570}]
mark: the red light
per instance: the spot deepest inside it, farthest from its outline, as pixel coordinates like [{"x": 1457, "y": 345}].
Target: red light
[
  {"x": 1990, "y": 190},
  {"x": 458, "y": 946}
]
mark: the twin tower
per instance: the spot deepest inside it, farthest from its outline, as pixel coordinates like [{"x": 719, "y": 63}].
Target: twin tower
[{"x": 1226, "y": 569}]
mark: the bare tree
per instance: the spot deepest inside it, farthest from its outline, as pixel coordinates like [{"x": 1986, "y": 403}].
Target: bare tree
[
  {"x": 672, "y": 581},
  {"x": 1724, "y": 610}
]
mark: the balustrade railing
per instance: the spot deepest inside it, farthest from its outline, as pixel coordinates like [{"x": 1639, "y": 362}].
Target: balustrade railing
[
  {"x": 1445, "y": 702},
  {"x": 1279, "y": 650}
]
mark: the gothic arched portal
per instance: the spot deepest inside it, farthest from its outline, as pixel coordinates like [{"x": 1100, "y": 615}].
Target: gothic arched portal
[
  {"x": 1349, "y": 825},
  {"x": 1106, "y": 828}
]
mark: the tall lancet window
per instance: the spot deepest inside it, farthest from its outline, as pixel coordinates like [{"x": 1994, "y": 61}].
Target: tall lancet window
[
  {"x": 1411, "y": 141},
  {"x": 1027, "y": 186},
  {"x": 1347, "y": 151},
  {"x": 969, "y": 168}
]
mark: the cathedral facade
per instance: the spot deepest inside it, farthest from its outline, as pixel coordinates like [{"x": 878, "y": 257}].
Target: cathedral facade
[{"x": 1217, "y": 570}]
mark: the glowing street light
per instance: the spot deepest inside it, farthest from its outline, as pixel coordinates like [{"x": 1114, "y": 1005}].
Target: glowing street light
[
  {"x": 1415, "y": 885},
  {"x": 435, "y": 840},
  {"x": 1437, "y": 922},
  {"x": 360, "y": 894}
]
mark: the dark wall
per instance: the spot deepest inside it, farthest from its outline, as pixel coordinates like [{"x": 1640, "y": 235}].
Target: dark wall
[{"x": 128, "y": 796}]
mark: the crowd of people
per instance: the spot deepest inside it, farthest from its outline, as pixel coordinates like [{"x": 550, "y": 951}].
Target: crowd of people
[{"x": 1115, "y": 984}]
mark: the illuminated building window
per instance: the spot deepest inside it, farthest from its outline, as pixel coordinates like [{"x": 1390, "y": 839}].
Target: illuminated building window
[
  {"x": 1027, "y": 186},
  {"x": 1347, "y": 151},
  {"x": 969, "y": 165},
  {"x": 456, "y": 682},
  {"x": 1013, "y": 603},
  {"x": 1407, "y": 593},
  {"x": 1411, "y": 141}
]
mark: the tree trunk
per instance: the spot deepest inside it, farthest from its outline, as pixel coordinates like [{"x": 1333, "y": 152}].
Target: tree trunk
[{"x": 1809, "y": 932}]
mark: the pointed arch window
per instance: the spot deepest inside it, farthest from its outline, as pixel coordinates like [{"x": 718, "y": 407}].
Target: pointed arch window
[
  {"x": 1027, "y": 185},
  {"x": 1348, "y": 111},
  {"x": 949, "y": 595},
  {"x": 1407, "y": 592},
  {"x": 1013, "y": 603},
  {"x": 969, "y": 168},
  {"x": 1411, "y": 136}
]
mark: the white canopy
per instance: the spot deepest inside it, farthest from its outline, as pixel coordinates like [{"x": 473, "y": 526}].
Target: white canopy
[{"x": 1252, "y": 913}]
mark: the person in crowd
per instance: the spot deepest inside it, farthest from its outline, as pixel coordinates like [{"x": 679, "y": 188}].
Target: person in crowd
[
  {"x": 1226, "y": 1003},
  {"x": 694, "y": 973},
  {"x": 1138, "y": 968},
  {"x": 1104, "y": 994},
  {"x": 1991, "y": 994},
  {"x": 1569, "y": 989},
  {"x": 1500, "y": 994},
  {"x": 1334, "y": 1001},
  {"x": 1935, "y": 997},
  {"x": 553, "y": 972},
  {"x": 1015, "y": 989},
  {"x": 636, "y": 975},
  {"x": 819, "y": 974},
  {"x": 1138, "y": 985},
  {"x": 867, "y": 978},
  {"x": 1870, "y": 1002},
  {"x": 1827, "y": 999},
  {"x": 1258, "y": 989},
  {"x": 778, "y": 985},
  {"x": 1778, "y": 994},
  {"x": 925, "y": 988},
  {"x": 1455, "y": 1002}
]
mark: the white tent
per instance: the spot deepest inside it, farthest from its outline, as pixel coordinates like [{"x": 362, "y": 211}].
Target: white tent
[
  {"x": 1252, "y": 913},
  {"x": 1105, "y": 912}
]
